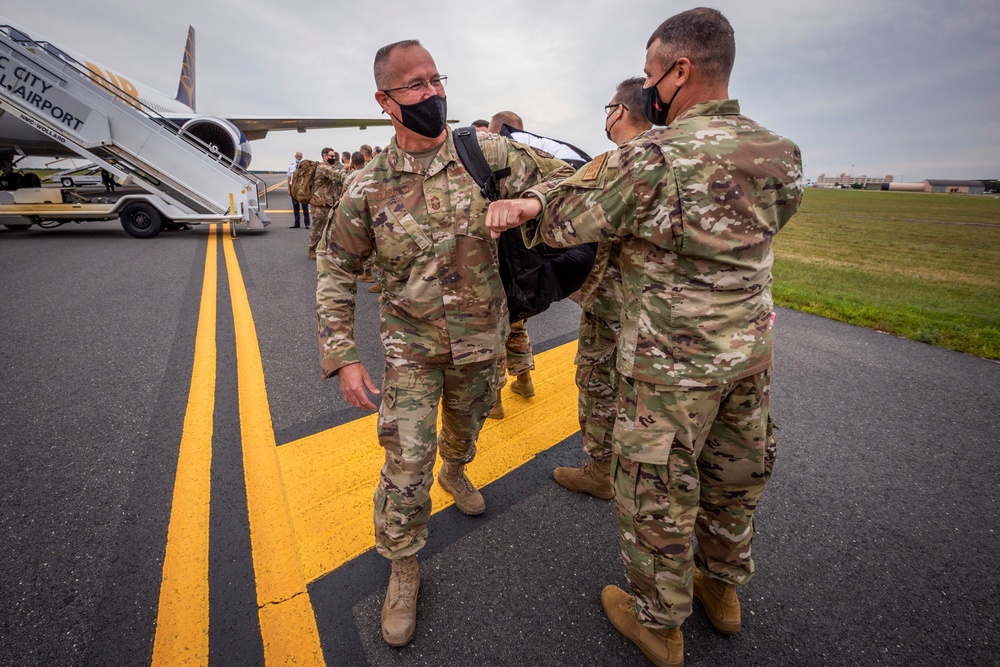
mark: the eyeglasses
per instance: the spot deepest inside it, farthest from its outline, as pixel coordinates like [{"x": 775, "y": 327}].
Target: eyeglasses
[
  {"x": 608, "y": 108},
  {"x": 437, "y": 83}
]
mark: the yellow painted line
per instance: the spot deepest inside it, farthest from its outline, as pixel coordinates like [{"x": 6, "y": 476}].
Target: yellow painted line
[
  {"x": 276, "y": 185},
  {"x": 330, "y": 477},
  {"x": 277, "y": 210},
  {"x": 182, "y": 615},
  {"x": 287, "y": 622}
]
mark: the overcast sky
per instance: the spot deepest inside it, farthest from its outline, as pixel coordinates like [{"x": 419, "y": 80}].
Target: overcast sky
[{"x": 903, "y": 87}]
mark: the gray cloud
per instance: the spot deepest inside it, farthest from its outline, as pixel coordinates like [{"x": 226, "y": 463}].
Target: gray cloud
[{"x": 901, "y": 87}]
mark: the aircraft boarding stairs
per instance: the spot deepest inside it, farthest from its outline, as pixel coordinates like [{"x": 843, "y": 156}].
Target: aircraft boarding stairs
[{"x": 60, "y": 98}]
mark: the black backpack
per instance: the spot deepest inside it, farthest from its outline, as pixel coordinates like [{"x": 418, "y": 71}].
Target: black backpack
[{"x": 533, "y": 278}]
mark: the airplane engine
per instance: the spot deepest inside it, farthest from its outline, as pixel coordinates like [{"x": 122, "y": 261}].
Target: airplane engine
[{"x": 222, "y": 136}]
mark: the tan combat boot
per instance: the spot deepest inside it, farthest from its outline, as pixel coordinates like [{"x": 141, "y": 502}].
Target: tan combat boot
[
  {"x": 468, "y": 500},
  {"x": 377, "y": 287},
  {"x": 399, "y": 611},
  {"x": 497, "y": 412},
  {"x": 593, "y": 478},
  {"x": 720, "y": 602},
  {"x": 663, "y": 647},
  {"x": 523, "y": 386}
]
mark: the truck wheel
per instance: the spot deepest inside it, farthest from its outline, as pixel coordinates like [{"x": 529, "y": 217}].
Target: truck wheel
[
  {"x": 141, "y": 220},
  {"x": 17, "y": 228},
  {"x": 31, "y": 181},
  {"x": 67, "y": 182}
]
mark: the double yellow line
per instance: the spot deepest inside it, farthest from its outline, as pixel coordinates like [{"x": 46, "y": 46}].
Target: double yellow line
[
  {"x": 287, "y": 621},
  {"x": 321, "y": 518}
]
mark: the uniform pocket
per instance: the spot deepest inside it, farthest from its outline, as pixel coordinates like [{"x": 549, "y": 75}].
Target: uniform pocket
[
  {"x": 398, "y": 238},
  {"x": 642, "y": 431}
]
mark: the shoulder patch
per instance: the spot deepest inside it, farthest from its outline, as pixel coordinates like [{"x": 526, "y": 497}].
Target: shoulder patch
[{"x": 594, "y": 169}]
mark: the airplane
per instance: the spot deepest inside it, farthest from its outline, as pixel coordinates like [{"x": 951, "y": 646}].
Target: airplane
[{"x": 229, "y": 136}]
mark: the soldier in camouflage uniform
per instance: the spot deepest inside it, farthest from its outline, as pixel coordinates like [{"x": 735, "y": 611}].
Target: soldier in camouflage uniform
[
  {"x": 417, "y": 211},
  {"x": 695, "y": 205},
  {"x": 601, "y": 300},
  {"x": 327, "y": 186}
]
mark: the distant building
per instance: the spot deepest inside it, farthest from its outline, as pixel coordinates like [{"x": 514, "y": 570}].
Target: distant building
[
  {"x": 939, "y": 185},
  {"x": 967, "y": 187},
  {"x": 847, "y": 181}
]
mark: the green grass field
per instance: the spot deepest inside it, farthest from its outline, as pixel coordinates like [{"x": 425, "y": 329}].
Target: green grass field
[{"x": 923, "y": 266}]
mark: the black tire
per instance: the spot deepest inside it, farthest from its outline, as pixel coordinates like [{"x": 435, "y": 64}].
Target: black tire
[
  {"x": 31, "y": 181},
  {"x": 141, "y": 220},
  {"x": 17, "y": 228},
  {"x": 67, "y": 182}
]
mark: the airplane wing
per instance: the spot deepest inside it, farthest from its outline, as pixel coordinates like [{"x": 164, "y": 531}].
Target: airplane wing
[{"x": 257, "y": 127}]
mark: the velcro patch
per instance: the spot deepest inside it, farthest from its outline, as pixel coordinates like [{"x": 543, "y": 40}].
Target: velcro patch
[{"x": 594, "y": 170}]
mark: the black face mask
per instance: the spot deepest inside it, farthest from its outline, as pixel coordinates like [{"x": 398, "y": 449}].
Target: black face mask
[
  {"x": 607, "y": 129},
  {"x": 653, "y": 108},
  {"x": 331, "y": 160},
  {"x": 427, "y": 117}
]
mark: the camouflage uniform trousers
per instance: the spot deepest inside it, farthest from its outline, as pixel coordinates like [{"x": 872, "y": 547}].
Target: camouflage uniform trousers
[
  {"x": 320, "y": 219},
  {"x": 517, "y": 357},
  {"x": 407, "y": 421},
  {"x": 699, "y": 461},
  {"x": 597, "y": 380}
]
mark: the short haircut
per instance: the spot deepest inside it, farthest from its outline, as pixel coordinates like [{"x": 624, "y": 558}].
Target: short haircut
[
  {"x": 704, "y": 36},
  {"x": 629, "y": 93},
  {"x": 383, "y": 76},
  {"x": 357, "y": 159},
  {"x": 366, "y": 150},
  {"x": 502, "y": 118},
  {"x": 346, "y": 155},
  {"x": 480, "y": 123},
  {"x": 327, "y": 151}
]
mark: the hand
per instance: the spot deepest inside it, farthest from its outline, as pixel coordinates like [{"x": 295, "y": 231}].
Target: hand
[
  {"x": 506, "y": 214},
  {"x": 354, "y": 380}
]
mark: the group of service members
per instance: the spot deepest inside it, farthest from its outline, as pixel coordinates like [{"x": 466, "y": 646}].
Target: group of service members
[{"x": 675, "y": 347}]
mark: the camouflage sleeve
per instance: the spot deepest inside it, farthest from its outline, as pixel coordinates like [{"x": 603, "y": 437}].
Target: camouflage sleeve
[
  {"x": 597, "y": 203},
  {"x": 528, "y": 167},
  {"x": 339, "y": 261}
]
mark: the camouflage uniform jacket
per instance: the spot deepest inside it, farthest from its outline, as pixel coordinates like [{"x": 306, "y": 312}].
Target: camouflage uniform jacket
[
  {"x": 327, "y": 186},
  {"x": 602, "y": 294},
  {"x": 442, "y": 299},
  {"x": 696, "y": 205}
]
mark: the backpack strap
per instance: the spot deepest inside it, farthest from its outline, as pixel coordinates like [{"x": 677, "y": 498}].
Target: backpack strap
[{"x": 471, "y": 155}]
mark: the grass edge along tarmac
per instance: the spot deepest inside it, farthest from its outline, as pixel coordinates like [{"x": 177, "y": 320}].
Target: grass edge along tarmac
[{"x": 909, "y": 264}]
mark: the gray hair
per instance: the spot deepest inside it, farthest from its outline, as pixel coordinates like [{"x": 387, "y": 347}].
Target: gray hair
[{"x": 382, "y": 74}]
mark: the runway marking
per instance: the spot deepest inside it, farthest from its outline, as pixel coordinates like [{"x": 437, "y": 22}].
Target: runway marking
[
  {"x": 309, "y": 502},
  {"x": 182, "y": 615},
  {"x": 277, "y": 210},
  {"x": 276, "y": 186},
  {"x": 330, "y": 477},
  {"x": 287, "y": 621}
]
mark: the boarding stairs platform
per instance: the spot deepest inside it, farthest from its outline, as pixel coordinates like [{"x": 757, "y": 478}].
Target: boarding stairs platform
[{"x": 187, "y": 181}]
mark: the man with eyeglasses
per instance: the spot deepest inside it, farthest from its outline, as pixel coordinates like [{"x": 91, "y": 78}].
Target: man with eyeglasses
[
  {"x": 601, "y": 299},
  {"x": 696, "y": 205},
  {"x": 417, "y": 211}
]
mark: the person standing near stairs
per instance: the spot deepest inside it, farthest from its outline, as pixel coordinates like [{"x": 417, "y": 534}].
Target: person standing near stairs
[{"x": 295, "y": 202}]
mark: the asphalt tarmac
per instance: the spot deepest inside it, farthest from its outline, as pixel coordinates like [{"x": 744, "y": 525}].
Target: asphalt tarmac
[{"x": 875, "y": 543}]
